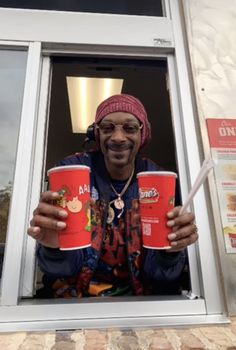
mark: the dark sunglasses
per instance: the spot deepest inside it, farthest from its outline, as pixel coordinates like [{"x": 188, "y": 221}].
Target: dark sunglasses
[{"x": 129, "y": 128}]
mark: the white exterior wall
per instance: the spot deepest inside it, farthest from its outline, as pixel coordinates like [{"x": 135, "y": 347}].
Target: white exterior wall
[{"x": 211, "y": 34}]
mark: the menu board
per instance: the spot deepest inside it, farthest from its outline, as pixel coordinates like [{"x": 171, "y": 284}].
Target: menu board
[{"x": 222, "y": 137}]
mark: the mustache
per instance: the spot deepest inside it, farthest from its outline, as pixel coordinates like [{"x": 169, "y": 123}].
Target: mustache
[{"x": 119, "y": 146}]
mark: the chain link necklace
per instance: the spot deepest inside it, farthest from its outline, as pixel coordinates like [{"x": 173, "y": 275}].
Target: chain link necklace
[{"x": 118, "y": 202}]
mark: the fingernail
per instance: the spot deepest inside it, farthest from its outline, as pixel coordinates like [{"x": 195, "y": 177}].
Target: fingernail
[
  {"x": 173, "y": 244},
  {"x": 172, "y": 236},
  {"x": 63, "y": 213},
  {"x": 170, "y": 223},
  {"x": 54, "y": 194},
  {"x": 170, "y": 214},
  {"x": 61, "y": 224}
]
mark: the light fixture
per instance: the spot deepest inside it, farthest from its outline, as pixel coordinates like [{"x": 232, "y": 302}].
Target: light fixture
[{"x": 85, "y": 94}]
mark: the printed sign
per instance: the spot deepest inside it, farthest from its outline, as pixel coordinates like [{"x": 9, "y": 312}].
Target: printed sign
[{"x": 222, "y": 137}]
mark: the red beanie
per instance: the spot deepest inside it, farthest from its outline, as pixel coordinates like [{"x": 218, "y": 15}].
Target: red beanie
[{"x": 129, "y": 104}]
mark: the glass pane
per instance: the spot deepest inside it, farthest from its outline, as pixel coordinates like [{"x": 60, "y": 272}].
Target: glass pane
[
  {"x": 12, "y": 77},
  {"x": 123, "y": 7}
]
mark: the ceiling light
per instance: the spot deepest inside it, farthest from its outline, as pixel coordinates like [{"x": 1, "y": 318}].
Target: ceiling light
[{"x": 85, "y": 94}]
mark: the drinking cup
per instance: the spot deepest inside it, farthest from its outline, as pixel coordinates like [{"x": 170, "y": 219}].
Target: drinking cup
[
  {"x": 73, "y": 184},
  {"x": 156, "y": 198}
]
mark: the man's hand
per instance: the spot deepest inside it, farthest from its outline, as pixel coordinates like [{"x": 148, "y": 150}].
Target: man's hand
[
  {"x": 184, "y": 230},
  {"x": 47, "y": 220}
]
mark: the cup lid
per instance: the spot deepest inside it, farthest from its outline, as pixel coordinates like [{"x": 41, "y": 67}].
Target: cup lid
[
  {"x": 68, "y": 168},
  {"x": 156, "y": 173}
]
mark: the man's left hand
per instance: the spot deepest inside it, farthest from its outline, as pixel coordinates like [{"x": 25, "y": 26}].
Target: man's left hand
[{"x": 183, "y": 230}]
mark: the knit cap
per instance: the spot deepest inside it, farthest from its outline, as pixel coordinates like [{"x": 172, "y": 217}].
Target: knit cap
[{"x": 129, "y": 104}]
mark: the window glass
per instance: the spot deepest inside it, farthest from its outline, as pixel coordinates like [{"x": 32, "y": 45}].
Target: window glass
[
  {"x": 123, "y": 7},
  {"x": 12, "y": 76}
]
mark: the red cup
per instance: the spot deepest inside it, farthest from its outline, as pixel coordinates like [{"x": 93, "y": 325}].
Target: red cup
[
  {"x": 232, "y": 238},
  {"x": 156, "y": 198},
  {"x": 73, "y": 184}
]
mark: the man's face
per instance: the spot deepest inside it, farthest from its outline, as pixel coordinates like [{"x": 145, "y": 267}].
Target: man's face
[{"x": 120, "y": 138}]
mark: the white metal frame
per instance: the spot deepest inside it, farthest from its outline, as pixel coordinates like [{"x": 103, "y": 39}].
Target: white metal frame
[
  {"x": 100, "y": 314},
  {"x": 146, "y": 37},
  {"x": 28, "y": 263},
  {"x": 22, "y": 182},
  {"x": 212, "y": 290},
  {"x": 85, "y": 28}
]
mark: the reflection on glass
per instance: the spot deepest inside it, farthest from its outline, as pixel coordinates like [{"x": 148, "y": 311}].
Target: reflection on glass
[
  {"x": 122, "y": 7},
  {"x": 12, "y": 76}
]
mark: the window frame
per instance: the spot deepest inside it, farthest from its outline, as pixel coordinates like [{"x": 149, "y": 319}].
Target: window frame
[
  {"x": 15, "y": 47},
  {"x": 34, "y": 314},
  {"x": 22, "y": 180}
]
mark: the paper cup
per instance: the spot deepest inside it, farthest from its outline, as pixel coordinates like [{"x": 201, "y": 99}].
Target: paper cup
[
  {"x": 73, "y": 184},
  {"x": 156, "y": 197}
]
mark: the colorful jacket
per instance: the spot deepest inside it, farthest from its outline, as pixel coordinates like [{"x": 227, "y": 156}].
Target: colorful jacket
[{"x": 116, "y": 253}]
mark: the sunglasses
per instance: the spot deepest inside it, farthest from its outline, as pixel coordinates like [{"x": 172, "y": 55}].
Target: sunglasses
[{"x": 129, "y": 128}]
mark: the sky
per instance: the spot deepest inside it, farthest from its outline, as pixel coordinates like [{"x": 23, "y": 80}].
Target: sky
[{"x": 12, "y": 77}]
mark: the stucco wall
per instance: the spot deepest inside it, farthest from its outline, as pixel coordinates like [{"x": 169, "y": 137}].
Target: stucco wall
[
  {"x": 211, "y": 28},
  {"x": 211, "y": 34}
]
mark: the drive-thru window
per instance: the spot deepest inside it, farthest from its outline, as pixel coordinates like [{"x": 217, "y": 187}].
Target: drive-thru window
[{"x": 147, "y": 53}]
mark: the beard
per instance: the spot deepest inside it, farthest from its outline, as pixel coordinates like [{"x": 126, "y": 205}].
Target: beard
[
  {"x": 119, "y": 153},
  {"x": 119, "y": 147}
]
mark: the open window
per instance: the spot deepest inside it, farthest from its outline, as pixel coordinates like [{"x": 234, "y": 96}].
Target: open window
[
  {"x": 75, "y": 79},
  {"x": 135, "y": 49}
]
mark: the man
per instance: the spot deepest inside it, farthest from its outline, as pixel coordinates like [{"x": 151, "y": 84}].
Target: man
[{"x": 116, "y": 263}]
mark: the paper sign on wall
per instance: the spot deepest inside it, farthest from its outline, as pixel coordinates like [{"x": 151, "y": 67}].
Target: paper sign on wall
[{"x": 222, "y": 137}]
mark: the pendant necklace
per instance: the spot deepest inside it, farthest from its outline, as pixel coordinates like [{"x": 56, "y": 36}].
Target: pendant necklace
[{"x": 118, "y": 202}]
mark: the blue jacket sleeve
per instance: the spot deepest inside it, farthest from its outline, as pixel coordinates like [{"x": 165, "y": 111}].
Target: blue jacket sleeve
[
  {"x": 164, "y": 270},
  {"x": 56, "y": 263}
]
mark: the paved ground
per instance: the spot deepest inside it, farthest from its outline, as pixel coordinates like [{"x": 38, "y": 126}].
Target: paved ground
[{"x": 186, "y": 338}]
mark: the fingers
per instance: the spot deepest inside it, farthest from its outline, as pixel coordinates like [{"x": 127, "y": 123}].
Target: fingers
[
  {"x": 47, "y": 238},
  {"x": 184, "y": 231},
  {"x": 47, "y": 219},
  {"x": 49, "y": 210},
  {"x": 183, "y": 237},
  {"x": 49, "y": 196},
  {"x": 179, "y": 220},
  {"x": 36, "y": 233},
  {"x": 48, "y": 216},
  {"x": 47, "y": 207}
]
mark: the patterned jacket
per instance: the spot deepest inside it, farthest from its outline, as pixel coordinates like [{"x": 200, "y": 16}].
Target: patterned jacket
[{"x": 116, "y": 254}]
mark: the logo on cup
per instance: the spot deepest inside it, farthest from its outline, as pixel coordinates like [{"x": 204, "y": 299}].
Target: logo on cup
[
  {"x": 148, "y": 195},
  {"x": 73, "y": 203}
]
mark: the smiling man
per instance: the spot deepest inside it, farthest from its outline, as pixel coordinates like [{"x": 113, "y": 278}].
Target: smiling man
[
  {"x": 119, "y": 143},
  {"x": 116, "y": 263}
]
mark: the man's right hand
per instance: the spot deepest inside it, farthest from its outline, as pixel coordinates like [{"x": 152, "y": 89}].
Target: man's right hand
[{"x": 47, "y": 220}]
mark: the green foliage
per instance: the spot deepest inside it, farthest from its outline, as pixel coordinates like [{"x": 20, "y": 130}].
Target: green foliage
[{"x": 5, "y": 197}]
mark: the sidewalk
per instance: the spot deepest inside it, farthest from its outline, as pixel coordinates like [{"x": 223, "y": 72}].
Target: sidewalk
[{"x": 182, "y": 338}]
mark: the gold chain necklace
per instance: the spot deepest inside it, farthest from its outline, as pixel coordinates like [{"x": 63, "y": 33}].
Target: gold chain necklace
[{"x": 118, "y": 202}]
